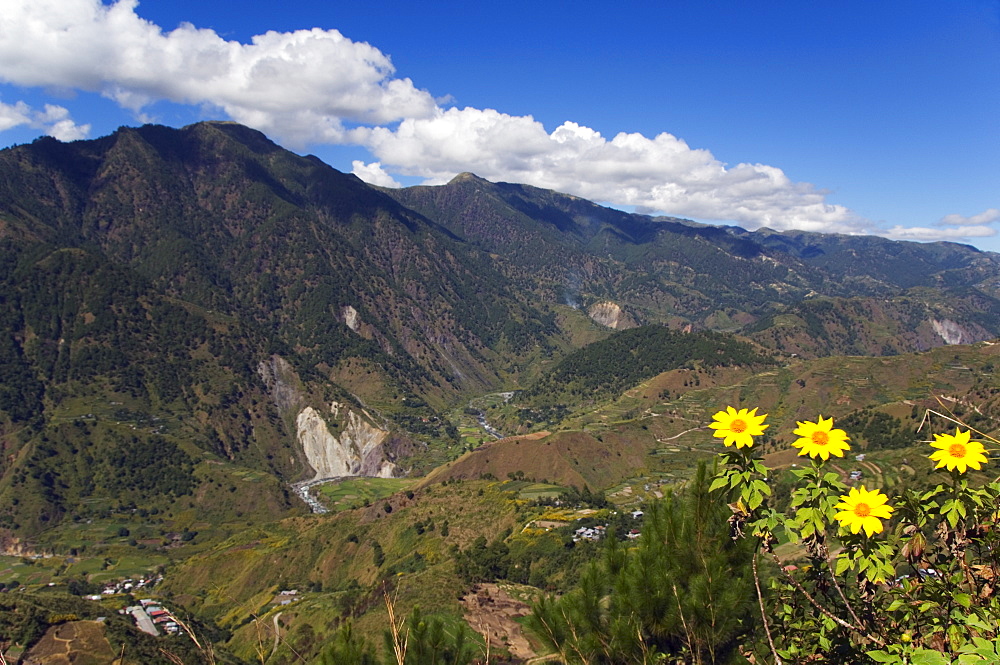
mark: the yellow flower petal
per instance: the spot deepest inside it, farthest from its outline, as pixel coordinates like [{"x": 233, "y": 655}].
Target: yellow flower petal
[
  {"x": 738, "y": 427},
  {"x": 957, "y": 452},
  {"x": 861, "y": 509},
  {"x": 819, "y": 439}
]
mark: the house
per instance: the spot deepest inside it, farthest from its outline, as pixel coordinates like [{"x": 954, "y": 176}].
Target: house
[{"x": 589, "y": 533}]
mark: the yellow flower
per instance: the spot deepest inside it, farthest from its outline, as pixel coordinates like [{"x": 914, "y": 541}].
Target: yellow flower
[
  {"x": 957, "y": 452},
  {"x": 819, "y": 439},
  {"x": 738, "y": 427},
  {"x": 861, "y": 509}
]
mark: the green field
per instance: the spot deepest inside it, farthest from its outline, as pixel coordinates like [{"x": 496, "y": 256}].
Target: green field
[
  {"x": 56, "y": 570},
  {"x": 530, "y": 490},
  {"x": 356, "y": 492}
]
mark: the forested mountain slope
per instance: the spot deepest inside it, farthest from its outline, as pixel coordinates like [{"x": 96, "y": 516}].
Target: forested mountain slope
[
  {"x": 206, "y": 290},
  {"x": 671, "y": 270}
]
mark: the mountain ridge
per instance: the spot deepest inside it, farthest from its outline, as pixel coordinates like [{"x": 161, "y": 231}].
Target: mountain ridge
[
  {"x": 160, "y": 268},
  {"x": 199, "y": 324}
]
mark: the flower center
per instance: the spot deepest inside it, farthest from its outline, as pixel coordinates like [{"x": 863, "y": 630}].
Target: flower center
[
  {"x": 957, "y": 450},
  {"x": 820, "y": 438},
  {"x": 862, "y": 510},
  {"x": 737, "y": 426}
]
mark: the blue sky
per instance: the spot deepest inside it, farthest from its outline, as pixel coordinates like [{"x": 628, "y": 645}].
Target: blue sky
[{"x": 853, "y": 117}]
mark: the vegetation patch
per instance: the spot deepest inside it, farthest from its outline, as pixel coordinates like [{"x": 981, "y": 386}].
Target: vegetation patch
[{"x": 358, "y": 492}]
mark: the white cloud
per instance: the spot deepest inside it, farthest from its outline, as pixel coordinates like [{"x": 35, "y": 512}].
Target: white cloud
[
  {"x": 660, "y": 174},
  {"x": 54, "y": 120},
  {"x": 951, "y": 227},
  {"x": 923, "y": 233},
  {"x": 319, "y": 87},
  {"x": 13, "y": 115},
  {"x": 373, "y": 174},
  {"x": 985, "y": 217},
  {"x": 301, "y": 87},
  {"x": 84, "y": 44}
]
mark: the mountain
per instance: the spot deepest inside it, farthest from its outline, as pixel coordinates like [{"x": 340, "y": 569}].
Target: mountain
[
  {"x": 203, "y": 296},
  {"x": 206, "y": 290},
  {"x": 682, "y": 273},
  {"x": 198, "y": 324},
  {"x": 218, "y": 216}
]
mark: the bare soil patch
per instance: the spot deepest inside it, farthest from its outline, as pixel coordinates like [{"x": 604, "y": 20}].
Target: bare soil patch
[
  {"x": 72, "y": 643},
  {"x": 492, "y": 612}
]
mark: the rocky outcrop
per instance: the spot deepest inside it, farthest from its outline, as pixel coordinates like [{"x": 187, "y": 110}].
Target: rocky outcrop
[
  {"x": 360, "y": 448},
  {"x": 358, "y": 451},
  {"x": 349, "y": 316},
  {"x": 952, "y": 332},
  {"x": 610, "y": 315},
  {"x": 282, "y": 383}
]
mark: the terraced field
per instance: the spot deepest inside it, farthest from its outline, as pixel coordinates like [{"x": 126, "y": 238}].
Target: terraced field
[{"x": 358, "y": 492}]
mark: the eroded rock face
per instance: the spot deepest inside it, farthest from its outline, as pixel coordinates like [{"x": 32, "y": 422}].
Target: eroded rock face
[
  {"x": 281, "y": 381},
  {"x": 350, "y": 317},
  {"x": 358, "y": 451},
  {"x": 610, "y": 315},
  {"x": 952, "y": 333}
]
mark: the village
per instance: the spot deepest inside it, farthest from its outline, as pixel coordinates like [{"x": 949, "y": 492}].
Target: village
[{"x": 150, "y": 616}]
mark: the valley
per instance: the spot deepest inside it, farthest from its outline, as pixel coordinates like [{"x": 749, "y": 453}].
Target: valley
[{"x": 241, "y": 370}]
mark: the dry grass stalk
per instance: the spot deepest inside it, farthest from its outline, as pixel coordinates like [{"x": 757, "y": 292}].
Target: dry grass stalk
[
  {"x": 950, "y": 416},
  {"x": 172, "y": 657},
  {"x": 207, "y": 650},
  {"x": 486, "y": 631},
  {"x": 398, "y": 642}
]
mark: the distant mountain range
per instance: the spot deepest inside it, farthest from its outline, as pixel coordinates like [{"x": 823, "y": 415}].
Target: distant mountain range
[
  {"x": 209, "y": 296},
  {"x": 666, "y": 270}
]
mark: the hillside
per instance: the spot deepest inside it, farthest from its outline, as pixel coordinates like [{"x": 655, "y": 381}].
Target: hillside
[
  {"x": 200, "y": 324},
  {"x": 679, "y": 272},
  {"x": 149, "y": 299},
  {"x": 205, "y": 293},
  {"x": 637, "y": 447},
  {"x": 422, "y": 539}
]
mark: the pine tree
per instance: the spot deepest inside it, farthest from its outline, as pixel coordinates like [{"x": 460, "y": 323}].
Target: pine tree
[
  {"x": 428, "y": 642},
  {"x": 347, "y": 649},
  {"x": 685, "y": 591}
]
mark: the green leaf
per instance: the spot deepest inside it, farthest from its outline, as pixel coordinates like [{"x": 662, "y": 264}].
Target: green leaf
[
  {"x": 929, "y": 657},
  {"x": 963, "y": 599},
  {"x": 721, "y": 481},
  {"x": 982, "y": 643},
  {"x": 883, "y": 657}
]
